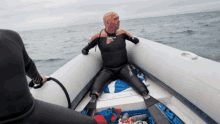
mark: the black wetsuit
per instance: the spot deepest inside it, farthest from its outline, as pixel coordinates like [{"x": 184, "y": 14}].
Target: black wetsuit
[
  {"x": 115, "y": 61},
  {"x": 17, "y": 104}
]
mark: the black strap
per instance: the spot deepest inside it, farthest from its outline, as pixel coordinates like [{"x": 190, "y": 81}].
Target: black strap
[
  {"x": 60, "y": 84},
  {"x": 99, "y": 38}
]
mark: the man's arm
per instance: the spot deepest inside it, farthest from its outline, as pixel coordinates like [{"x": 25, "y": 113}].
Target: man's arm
[
  {"x": 93, "y": 41},
  {"x": 30, "y": 67},
  {"x": 129, "y": 37}
]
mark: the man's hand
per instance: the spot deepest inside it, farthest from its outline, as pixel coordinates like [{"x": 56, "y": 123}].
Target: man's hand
[
  {"x": 136, "y": 40},
  {"x": 85, "y": 52},
  {"x": 44, "y": 79},
  {"x": 36, "y": 80}
]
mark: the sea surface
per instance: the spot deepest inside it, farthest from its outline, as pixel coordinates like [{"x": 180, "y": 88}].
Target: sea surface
[{"x": 195, "y": 32}]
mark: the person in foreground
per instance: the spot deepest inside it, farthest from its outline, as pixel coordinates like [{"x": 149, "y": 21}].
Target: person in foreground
[
  {"x": 111, "y": 42},
  {"x": 17, "y": 104}
]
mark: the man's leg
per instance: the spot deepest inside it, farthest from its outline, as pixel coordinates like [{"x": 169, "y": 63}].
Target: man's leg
[
  {"x": 101, "y": 81},
  {"x": 127, "y": 73}
]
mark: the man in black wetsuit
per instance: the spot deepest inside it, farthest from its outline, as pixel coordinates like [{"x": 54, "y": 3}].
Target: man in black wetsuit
[
  {"x": 17, "y": 105},
  {"x": 111, "y": 42}
]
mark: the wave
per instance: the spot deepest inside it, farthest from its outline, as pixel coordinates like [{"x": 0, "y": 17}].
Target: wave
[
  {"x": 130, "y": 30},
  {"x": 187, "y": 31},
  {"x": 69, "y": 31},
  {"x": 159, "y": 41},
  {"x": 208, "y": 25},
  {"x": 215, "y": 22},
  {"x": 67, "y": 40},
  {"x": 211, "y": 45},
  {"x": 47, "y": 60}
]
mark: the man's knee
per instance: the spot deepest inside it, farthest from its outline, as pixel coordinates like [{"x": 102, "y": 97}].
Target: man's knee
[
  {"x": 146, "y": 92},
  {"x": 94, "y": 93}
]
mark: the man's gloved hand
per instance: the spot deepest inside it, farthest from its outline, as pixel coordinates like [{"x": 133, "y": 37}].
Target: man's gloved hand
[
  {"x": 37, "y": 80},
  {"x": 31, "y": 84},
  {"x": 136, "y": 40},
  {"x": 85, "y": 52}
]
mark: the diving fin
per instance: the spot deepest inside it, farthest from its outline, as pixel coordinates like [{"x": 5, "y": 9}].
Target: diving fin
[
  {"x": 149, "y": 100},
  {"x": 91, "y": 112},
  {"x": 158, "y": 116},
  {"x": 91, "y": 106}
]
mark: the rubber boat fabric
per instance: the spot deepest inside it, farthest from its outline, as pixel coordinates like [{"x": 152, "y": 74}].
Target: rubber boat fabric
[
  {"x": 17, "y": 103},
  {"x": 31, "y": 84}
]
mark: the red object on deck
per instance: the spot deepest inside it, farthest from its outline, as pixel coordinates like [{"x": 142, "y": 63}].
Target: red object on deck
[
  {"x": 113, "y": 118},
  {"x": 118, "y": 110},
  {"x": 100, "y": 119},
  {"x": 131, "y": 119}
]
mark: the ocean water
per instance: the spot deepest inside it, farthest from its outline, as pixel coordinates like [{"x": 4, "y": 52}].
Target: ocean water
[{"x": 195, "y": 32}]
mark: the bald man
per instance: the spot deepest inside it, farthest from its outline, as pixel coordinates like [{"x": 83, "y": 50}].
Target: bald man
[{"x": 111, "y": 42}]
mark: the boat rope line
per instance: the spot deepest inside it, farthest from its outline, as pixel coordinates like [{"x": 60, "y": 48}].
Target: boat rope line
[
  {"x": 61, "y": 85},
  {"x": 63, "y": 88}
]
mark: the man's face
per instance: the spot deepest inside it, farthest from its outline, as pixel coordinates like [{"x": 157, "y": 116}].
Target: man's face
[{"x": 111, "y": 21}]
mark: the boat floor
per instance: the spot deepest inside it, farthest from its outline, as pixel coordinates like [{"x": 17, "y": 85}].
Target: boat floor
[{"x": 130, "y": 100}]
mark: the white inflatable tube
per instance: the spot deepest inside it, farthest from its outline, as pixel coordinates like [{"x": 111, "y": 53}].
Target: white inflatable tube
[
  {"x": 194, "y": 77},
  {"x": 74, "y": 75}
]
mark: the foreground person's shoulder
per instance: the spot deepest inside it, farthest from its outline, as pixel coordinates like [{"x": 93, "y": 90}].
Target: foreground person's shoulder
[{"x": 8, "y": 31}]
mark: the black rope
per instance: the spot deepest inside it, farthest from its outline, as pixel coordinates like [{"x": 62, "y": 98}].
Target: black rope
[
  {"x": 31, "y": 84},
  {"x": 63, "y": 88}
]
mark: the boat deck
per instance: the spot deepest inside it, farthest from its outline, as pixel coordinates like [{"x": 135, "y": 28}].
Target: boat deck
[{"x": 130, "y": 100}]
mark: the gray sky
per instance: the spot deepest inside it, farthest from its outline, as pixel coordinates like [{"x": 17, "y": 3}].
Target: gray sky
[{"x": 36, "y": 14}]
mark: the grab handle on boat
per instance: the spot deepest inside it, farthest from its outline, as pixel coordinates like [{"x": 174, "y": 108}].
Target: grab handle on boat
[{"x": 187, "y": 54}]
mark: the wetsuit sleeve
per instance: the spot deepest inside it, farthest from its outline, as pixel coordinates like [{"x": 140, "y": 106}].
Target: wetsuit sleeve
[
  {"x": 129, "y": 37},
  {"x": 30, "y": 67},
  {"x": 92, "y": 42}
]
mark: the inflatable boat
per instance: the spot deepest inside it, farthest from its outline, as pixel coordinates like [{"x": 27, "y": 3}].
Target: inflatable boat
[{"x": 187, "y": 84}]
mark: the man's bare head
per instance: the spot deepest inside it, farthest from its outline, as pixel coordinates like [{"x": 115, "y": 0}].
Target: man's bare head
[{"x": 111, "y": 21}]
